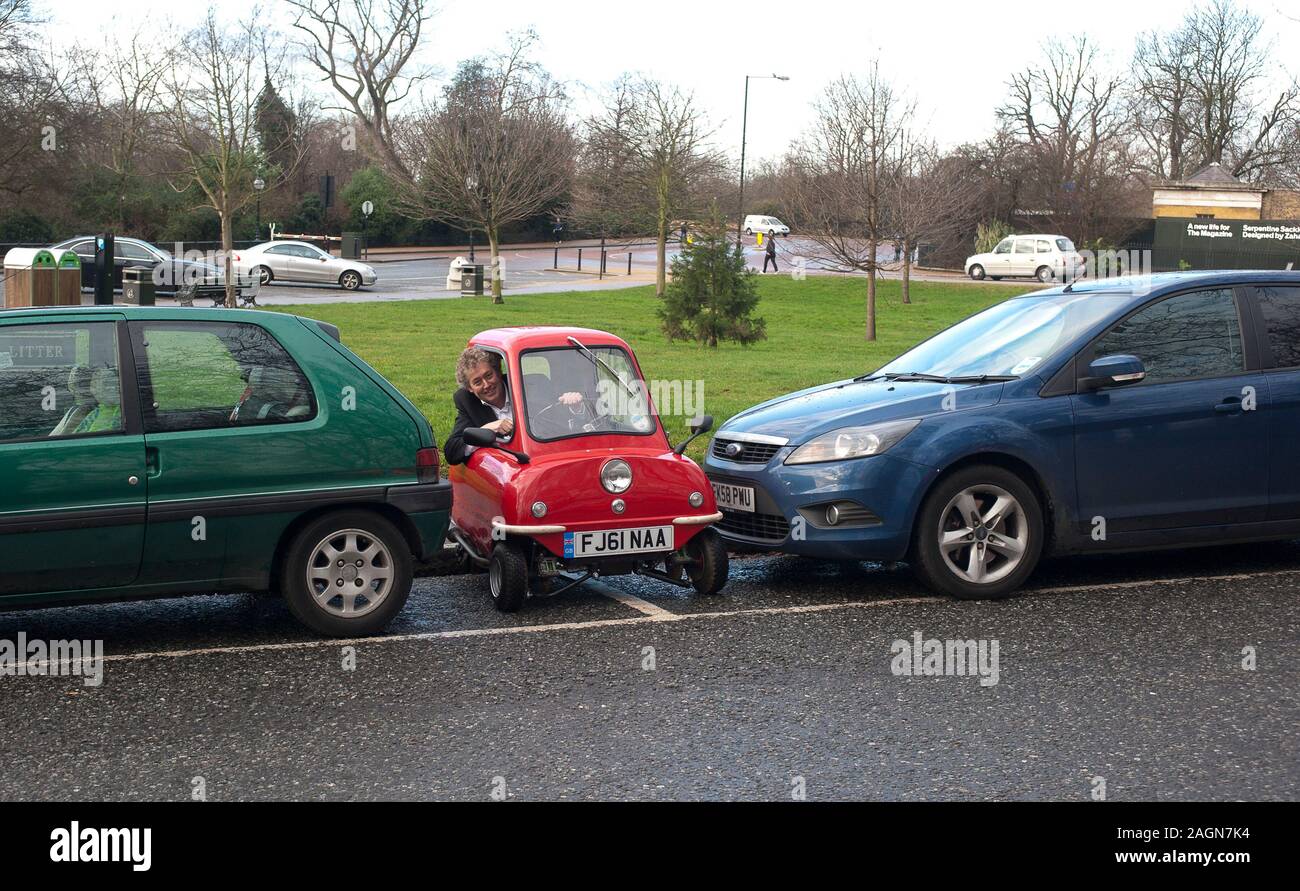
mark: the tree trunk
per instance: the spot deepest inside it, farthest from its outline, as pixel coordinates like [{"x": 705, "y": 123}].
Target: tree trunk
[
  {"x": 228, "y": 249},
  {"x": 872, "y": 246},
  {"x": 494, "y": 244},
  {"x": 907, "y": 270},
  {"x": 661, "y": 261}
]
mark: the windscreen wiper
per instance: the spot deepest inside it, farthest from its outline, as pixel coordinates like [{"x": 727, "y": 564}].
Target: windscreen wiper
[
  {"x": 596, "y": 360},
  {"x": 912, "y": 376}
]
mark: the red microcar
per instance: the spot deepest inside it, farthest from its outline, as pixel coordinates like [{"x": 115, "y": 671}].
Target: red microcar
[{"x": 584, "y": 487}]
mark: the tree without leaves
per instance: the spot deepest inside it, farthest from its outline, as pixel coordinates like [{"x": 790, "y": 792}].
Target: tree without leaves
[
  {"x": 610, "y": 197},
  {"x": 647, "y": 160},
  {"x": 363, "y": 49},
  {"x": 496, "y": 150},
  {"x": 1197, "y": 97},
  {"x": 836, "y": 179},
  {"x": 928, "y": 195},
  {"x": 1065, "y": 114},
  {"x": 124, "y": 92},
  {"x": 32, "y": 100},
  {"x": 213, "y": 123}
]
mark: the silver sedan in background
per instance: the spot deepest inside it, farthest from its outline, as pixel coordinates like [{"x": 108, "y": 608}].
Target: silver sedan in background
[{"x": 298, "y": 261}]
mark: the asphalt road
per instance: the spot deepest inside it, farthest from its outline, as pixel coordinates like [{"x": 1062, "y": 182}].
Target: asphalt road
[
  {"x": 1127, "y": 669},
  {"x": 539, "y": 270}
]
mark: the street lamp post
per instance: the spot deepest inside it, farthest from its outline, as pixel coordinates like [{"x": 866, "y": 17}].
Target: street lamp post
[
  {"x": 744, "y": 127},
  {"x": 258, "y": 185}
]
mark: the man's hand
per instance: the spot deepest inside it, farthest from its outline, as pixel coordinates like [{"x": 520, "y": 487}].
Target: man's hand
[
  {"x": 570, "y": 398},
  {"x": 503, "y": 427}
]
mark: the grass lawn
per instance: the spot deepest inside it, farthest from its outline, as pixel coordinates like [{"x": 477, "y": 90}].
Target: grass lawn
[{"x": 814, "y": 335}]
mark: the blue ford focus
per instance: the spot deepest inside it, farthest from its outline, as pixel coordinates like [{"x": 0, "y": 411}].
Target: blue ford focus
[{"x": 1126, "y": 414}]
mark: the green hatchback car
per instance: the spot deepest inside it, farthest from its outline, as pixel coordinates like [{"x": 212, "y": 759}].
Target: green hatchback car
[{"x": 150, "y": 452}]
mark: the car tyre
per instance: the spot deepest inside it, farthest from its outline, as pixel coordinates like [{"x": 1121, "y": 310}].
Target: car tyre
[
  {"x": 264, "y": 275},
  {"x": 996, "y": 278},
  {"x": 1045, "y": 274},
  {"x": 350, "y": 280},
  {"x": 508, "y": 576},
  {"x": 977, "y": 272},
  {"x": 1007, "y": 550},
  {"x": 349, "y": 536},
  {"x": 710, "y": 564}
]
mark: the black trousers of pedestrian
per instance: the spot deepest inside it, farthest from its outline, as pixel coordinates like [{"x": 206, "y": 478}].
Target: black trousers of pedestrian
[{"x": 770, "y": 258}]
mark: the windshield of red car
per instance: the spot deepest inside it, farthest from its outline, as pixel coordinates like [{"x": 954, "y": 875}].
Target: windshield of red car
[{"x": 569, "y": 392}]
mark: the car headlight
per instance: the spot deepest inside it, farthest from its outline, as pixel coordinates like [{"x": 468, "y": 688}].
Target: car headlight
[
  {"x": 616, "y": 476},
  {"x": 852, "y": 442}
]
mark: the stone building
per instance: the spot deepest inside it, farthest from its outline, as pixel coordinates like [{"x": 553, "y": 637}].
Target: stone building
[{"x": 1212, "y": 193}]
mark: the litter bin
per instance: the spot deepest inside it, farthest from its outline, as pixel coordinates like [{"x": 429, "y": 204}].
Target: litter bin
[
  {"x": 30, "y": 278},
  {"x": 351, "y": 246},
  {"x": 138, "y": 288},
  {"x": 471, "y": 280},
  {"x": 68, "y": 287}
]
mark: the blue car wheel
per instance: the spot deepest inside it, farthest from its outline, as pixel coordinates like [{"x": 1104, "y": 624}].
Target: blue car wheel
[{"x": 979, "y": 534}]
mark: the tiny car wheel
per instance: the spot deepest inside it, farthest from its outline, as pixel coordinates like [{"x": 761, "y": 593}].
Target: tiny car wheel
[
  {"x": 264, "y": 275},
  {"x": 350, "y": 280},
  {"x": 347, "y": 573},
  {"x": 979, "y": 534},
  {"x": 508, "y": 576},
  {"x": 708, "y": 570},
  {"x": 1045, "y": 274},
  {"x": 749, "y": 231},
  {"x": 996, "y": 278},
  {"x": 977, "y": 272}
]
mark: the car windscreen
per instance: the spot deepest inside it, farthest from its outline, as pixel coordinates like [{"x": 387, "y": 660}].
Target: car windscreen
[
  {"x": 573, "y": 392},
  {"x": 1065, "y": 245},
  {"x": 1011, "y": 338}
]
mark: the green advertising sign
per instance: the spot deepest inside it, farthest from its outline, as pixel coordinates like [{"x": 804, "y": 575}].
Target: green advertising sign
[{"x": 1226, "y": 244}]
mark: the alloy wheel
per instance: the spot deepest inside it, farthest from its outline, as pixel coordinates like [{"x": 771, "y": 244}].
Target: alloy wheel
[{"x": 983, "y": 534}]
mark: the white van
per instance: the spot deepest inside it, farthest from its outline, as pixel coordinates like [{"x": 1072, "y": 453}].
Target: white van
[{"x": 766, "y": 225}]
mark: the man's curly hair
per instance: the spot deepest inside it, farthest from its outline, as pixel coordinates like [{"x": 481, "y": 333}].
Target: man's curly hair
[{"x": 471, "y": 358}]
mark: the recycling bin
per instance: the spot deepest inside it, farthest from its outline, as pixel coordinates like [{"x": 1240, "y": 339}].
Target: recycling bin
[
  {"x": 68, "y": 280},
  {"x": 30, "y": 278}
]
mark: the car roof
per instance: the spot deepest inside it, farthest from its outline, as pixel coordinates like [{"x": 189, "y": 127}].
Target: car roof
[
  {"x": 93, "y": 237},
  {"x": 1143, "y": 286},
  {"x": 280, "y": 241},
  {"x": 525, "y": 337},
  {"x": 155, "y": 313}
]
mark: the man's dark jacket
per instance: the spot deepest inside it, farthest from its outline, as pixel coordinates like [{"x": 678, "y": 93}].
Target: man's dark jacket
[{"x": 470, "y": 412}]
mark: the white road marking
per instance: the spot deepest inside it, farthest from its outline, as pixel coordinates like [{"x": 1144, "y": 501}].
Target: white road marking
[
  {"x": 651, "y": 615},
  {"x": 660, "y": 616},
  {"x": 636, "y": 603},
  {"x": 1113, "y": 586}
]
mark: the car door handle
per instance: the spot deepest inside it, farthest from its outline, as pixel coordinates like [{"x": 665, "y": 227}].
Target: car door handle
[
  {"x": 152, "y": 462},
  {"x": 1229, "y": 406}
]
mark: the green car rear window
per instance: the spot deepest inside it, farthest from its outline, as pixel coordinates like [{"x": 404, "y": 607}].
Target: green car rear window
[{"x": 210, "y": 375}]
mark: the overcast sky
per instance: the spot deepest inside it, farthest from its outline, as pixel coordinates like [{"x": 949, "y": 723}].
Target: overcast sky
[{"x": 954, "y": 58}]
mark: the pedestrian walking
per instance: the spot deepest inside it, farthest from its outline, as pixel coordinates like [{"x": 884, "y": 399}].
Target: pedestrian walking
[{"x": 769, "y": 255}]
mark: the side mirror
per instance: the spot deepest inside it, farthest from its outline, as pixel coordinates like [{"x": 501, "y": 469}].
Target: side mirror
[
  {"x": 484, "y": 438},
  {"x": 480, "y": 436},
  {"x": 704, "y": 425},
  {"x": 1114, "y": 371}
]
